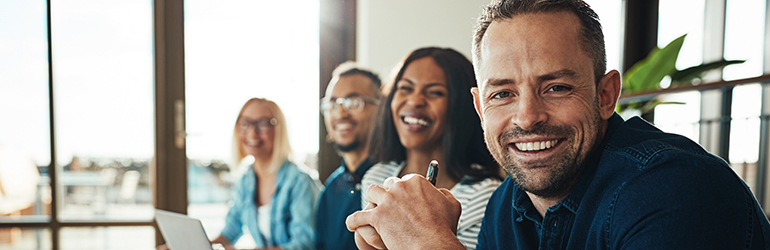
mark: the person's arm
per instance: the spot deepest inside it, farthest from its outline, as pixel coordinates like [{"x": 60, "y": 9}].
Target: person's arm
[
  {"x": 302, "y": 207},
  {"x": 408, "y": 213},
  {"x": 225, "y": 243},
  {"x": 475, "y": 199},
  {"x": 233, "y": 225}
]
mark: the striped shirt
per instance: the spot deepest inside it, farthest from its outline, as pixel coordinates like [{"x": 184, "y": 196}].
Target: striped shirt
[{"x": 473, "y": 198}]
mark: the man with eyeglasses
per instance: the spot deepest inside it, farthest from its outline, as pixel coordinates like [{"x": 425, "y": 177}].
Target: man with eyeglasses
[{"x": 349, "y": 110}]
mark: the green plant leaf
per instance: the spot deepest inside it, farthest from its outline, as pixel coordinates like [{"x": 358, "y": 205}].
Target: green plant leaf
[
  {"x": 686, "y": 76},
  {"x": 646, "y": 75}
]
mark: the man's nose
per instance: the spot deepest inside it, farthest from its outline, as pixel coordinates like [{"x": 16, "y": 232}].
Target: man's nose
[
  {"x": 338, "y": 111},
  {"x": 529, "y": 112}
]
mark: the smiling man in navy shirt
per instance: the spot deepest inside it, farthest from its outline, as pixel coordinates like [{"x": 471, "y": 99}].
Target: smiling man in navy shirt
[
  {"x": 349, "y": 109},
  {"x": 579, "y": 176}
]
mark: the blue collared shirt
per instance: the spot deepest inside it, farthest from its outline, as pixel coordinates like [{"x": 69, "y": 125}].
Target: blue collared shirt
[
  {"x": 292, "y": 209},
  {"x": 646, "y": 190},
  {"x": 341, "y": 198}
]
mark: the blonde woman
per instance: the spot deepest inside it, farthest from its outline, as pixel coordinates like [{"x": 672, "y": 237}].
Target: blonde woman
[{"x": 276, "y": 200}]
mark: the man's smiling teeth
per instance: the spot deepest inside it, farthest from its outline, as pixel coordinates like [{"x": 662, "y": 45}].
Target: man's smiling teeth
[
  {"x": 341, "y": 126},
  {"x": 536, "y": 146},
  {"x": 415, "y": 121}
]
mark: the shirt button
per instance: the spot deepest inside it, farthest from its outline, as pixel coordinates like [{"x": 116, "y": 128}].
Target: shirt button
[{"x": 554, "y": 224}]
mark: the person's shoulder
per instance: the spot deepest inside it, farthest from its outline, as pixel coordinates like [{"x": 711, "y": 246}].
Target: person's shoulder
[
  {"x": 385, "y": 166},
  {"x": 299, "y": 174},
  {"x": 641, "y": 156},
  {"x": 645, "y": 145},
  {"x": 334, "y": 175},
  {"x": 645, "y": 163},
  {"x": 675, "y": 195},
  {"x": 295, "y": 169},
  {"x": 244, "y": 175},
  {"x": 503, "y": 193},
  {"x": 476, "y": 192},
  {"x": 466, "y": 185},
  {"x": 381, "y": 171}
]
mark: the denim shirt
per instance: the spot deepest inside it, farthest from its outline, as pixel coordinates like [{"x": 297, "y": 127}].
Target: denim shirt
[
  {"x": 646, "y": 190},
  {"x": 292, "y": 209},
  {"x": 341, "y": 198}
]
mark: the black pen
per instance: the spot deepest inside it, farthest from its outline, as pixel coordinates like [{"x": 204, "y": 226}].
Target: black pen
[{"x": 432, "y": 172}]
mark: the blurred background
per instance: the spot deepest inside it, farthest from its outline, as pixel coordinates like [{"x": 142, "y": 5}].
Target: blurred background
[{"x": 110, "y": 109}]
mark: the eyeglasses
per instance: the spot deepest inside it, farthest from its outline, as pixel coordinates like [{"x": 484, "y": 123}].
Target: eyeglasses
[
  {"x": 351, "y": 104},
  {"x": 262, "y": 124}
]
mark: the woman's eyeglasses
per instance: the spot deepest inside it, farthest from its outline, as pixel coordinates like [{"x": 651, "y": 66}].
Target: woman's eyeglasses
[
  {"x": 262, "y": 124},
  {"x": 351, "y": 104}
]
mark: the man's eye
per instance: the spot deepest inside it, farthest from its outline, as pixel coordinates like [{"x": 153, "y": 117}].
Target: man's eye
[
  {"x": 559, "y": 88},
  {"x": 503, "y": 94}
]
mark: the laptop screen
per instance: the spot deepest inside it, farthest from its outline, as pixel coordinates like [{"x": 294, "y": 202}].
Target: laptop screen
[{"x": 181, "y": 232}]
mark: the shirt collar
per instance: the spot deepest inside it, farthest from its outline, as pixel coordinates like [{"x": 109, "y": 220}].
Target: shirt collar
[
  {"x": 523, "y": 205},
  {"x": 360, "y": 171}
]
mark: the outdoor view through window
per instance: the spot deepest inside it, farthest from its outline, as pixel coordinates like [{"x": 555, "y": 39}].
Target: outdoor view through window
[
  {"x": 236, "y": 50},
  {"x": 103, "y": 92}
]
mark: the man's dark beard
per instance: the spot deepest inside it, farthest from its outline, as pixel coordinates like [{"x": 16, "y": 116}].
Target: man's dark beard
[
  {"x": 347, "y": 148},
  {"x": 566, "y": 170}
]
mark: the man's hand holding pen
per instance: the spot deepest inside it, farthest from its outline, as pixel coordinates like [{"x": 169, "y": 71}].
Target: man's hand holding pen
[{"x": 411, "y": 200}]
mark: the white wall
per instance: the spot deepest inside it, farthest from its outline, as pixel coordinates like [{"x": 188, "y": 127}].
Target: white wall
[{"x": 389, "y": 29}]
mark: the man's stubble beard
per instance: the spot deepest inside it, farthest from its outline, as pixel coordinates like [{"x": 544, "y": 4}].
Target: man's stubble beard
[
  {"x": 347, "y": 148},
  {"x": 564, "y": 170}
]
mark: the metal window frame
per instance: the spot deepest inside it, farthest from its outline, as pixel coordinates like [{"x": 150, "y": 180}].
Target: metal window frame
[{"x": 168, "y": 55}]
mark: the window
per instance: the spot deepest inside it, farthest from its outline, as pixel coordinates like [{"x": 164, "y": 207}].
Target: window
[
  {"x": 92, "y": 166},
  {"x": 726, "y": 120},
  {"x": 744, "y": 132},
  {"x": 236, "y": 50},
  {"x": 609, "y": 12},
  {"x": 744, "y": 38},
  {"x": 103, "y": 99},
  {"x": 101, "y": 57},
  {"x": 684, "y": 118},
  {"x": 24, "y": 136},
  {"x": 673, "y": 23}
]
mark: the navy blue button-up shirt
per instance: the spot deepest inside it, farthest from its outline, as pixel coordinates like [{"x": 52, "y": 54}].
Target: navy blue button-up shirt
[
  {"x": 645, "y": 190},
  {"x": 341, "y": 198}
]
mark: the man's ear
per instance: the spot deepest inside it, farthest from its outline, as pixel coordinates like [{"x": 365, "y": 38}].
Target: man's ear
[
  {"x": 477, "y": 102},
  {"x": 608, "y": 93}
]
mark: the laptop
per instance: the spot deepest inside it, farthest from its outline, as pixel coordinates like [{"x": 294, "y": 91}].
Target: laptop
[{"x": 182, "y": 232}]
